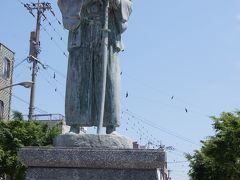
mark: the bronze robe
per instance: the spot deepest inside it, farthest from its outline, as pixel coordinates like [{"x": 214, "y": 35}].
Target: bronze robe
[{"x": 85, "y": 19}]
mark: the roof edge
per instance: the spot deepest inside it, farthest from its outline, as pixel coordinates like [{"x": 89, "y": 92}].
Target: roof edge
[{"x": 7, "y": 48}]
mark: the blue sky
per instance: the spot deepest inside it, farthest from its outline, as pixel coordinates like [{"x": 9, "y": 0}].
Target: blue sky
[{"x": 186, "y": 49}]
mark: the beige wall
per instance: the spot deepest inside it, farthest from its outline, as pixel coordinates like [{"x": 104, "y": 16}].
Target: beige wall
[{"x": 5, "y": 95}]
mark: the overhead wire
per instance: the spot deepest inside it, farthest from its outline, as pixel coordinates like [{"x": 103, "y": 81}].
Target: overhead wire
[
  {"x": 153, "y": 125},
  {"x": 187, "y": 107},
  {"x": 55, "y": 87},
  {"x": 25, "y": 102},
  {"x": 140, "y": 132},
  {"x": 65, "y": 54},
  {"x": 17, "y": 73},
  {"x": 54, "y": 78},
  {"x": 150, "y": 140},
  {"x": 21, "y": 2},
  {"x": 21, "y": 62},
  {"x": 56, "y": 71},
  {"x": 59, "y": 22},
  {"x": 54, "y": 29},
  {"x": 62, "y": 49},
  {"x": 42, "y": 27},
  {"x": 36, "y": 108},
  {"x": 147, "y": 140},
  {"x": 56, "y": 44}
]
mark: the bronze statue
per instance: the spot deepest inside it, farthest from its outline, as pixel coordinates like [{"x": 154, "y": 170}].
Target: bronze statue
[{"x": 86, "y": 22}]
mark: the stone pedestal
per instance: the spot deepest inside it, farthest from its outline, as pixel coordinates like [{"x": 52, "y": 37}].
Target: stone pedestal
[
  {"x": 91, "y": 164},
  {"x": 107, "y": 141}
]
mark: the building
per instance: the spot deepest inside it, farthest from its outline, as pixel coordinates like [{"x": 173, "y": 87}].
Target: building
[
  {"x": 164, "y": 174},
  {"x": 54, "y": 120},
  {"x": 6, "y": 74}
]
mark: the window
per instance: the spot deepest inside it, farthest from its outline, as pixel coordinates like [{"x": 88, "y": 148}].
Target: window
[
  {"x": 1, "y": 109},
  {"x": 6, "y": 68}
]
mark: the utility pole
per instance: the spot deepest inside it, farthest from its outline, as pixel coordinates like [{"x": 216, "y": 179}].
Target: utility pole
[{"x": 35, "y": 47}]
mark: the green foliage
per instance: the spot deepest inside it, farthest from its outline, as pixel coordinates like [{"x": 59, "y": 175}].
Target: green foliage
[
  {"x": 219, "y": 157},
  {"x": 16, "y": 134}
]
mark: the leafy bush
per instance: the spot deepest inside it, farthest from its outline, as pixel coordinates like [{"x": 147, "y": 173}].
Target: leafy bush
[{"x": 17, "y": 133}]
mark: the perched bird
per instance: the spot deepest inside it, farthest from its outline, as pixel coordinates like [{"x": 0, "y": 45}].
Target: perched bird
[
  {"x": 126, "y": 94},
  {"x": 54, "y": 76}
]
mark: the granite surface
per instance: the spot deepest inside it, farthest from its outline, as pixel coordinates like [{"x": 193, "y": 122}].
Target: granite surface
[
  {"x": 92, "y": 158},
  {"x": 90, "y": 174},
  {"x": 108, "y": 141}
]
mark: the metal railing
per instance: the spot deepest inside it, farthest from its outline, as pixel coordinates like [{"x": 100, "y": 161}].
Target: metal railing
[{"x": 51, "y": 117}]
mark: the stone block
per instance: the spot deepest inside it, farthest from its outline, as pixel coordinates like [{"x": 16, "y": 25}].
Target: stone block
[{"x": 92, "y": 164}]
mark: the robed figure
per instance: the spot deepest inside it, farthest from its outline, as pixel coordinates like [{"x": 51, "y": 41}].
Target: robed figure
[{"x": 85, "y": 20}]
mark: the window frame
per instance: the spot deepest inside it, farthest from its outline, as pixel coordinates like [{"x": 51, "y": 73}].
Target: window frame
[{"x": 6, "y": 68}]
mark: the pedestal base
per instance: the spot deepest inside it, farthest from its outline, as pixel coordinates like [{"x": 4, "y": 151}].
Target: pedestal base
[
  {"x": 91, "y": 164},
  {"x": 108, "y": 141}
]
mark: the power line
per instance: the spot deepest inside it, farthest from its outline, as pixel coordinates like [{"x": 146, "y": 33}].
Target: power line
[
  {"x": 59, "y": 22},
  {"x": 21, "y": 2},
  {"x": 22, "y": 100},
  {"x": 140, "y": 132},
  {"x": 172, "y": 97},
  {"x": 55, "y": 88},
  {"x": 20, "y": 63},
  {"x": 153, "y": 125},
  {"x": 150, "y": 140},
  {"x": 56, "y": 44},
  {"x": 25, "y": 102},
  {"x": 56, "y": 71},
  {"x": 29, "y": 8},
  {"x": 47, "y": 24},
  {"x": 184, "y": 109},
  {"x": 35, "y": 50},
  {"x": 54, "y": 29},
  {"x": 54, "y": 78}
]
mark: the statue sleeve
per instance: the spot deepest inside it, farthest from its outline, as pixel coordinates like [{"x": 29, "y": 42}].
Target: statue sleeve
[
  {"x": 71, "y": 10},
  {"x": 122, "y": 14},
  {"x": 126, "y": 8}
]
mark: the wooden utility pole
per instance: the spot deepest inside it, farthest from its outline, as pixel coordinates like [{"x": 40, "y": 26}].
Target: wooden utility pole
[{"x": 35, "y": 47}]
